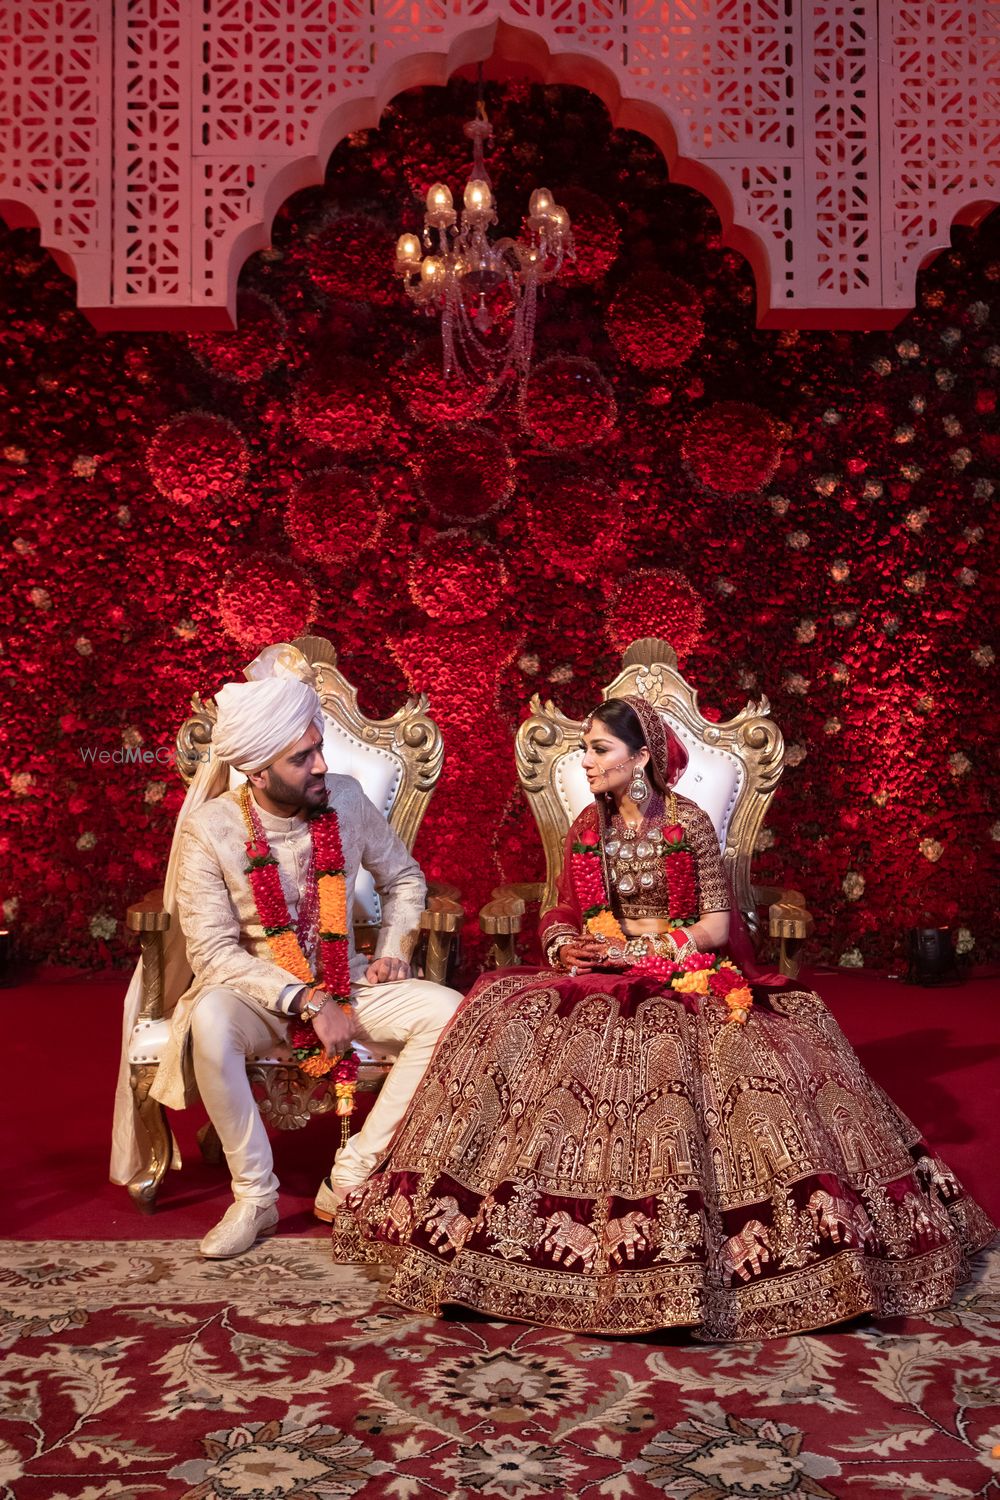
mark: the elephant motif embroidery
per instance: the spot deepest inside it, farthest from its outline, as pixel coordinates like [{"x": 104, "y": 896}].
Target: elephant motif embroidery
[
  {"x": 449, "y": 1227},
  {"x": 837, "y": 1220},
  {"x": 569, "y": 1243},
  {"x": 628, "y": 1236},
  {"x": 744, "y": 1255}
]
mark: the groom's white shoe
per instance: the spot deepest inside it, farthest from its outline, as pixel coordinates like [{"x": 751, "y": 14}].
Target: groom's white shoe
[
  {"x": 241, "y": 1226},
  {"x": 329, "y": 1200}
]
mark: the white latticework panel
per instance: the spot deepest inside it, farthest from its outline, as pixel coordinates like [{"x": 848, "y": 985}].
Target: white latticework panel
[
  {"x": 843, "y": 140},
  {"x": 55, "y": 124},
  {"x": 768, "y": 198},
  {"x": 401, "y": 26},
  {"x": 153, "y": 211},
  {"x": 154, "y": 140},
  {"x": 598, "y": 28},
  {"x": 268, "y": 80},
  {"x": 941, "y": 123},
  {"x": 726, "y": 70}
]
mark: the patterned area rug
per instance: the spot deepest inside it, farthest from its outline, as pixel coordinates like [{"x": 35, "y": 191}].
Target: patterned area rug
[{"x": 141, "y": 1370}]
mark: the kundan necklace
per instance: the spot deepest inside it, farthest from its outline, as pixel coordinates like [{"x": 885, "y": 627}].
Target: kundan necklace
[
  {"x": 697, "y": 974},
  {"x": 659, "y": 837},
  {"x": 322, "y": 923}
]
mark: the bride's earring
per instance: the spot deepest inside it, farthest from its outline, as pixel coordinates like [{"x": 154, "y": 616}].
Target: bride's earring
[{"x": 638, "y": 788}]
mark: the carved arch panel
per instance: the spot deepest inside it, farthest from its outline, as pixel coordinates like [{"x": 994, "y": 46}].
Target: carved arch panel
[{"x": 153, "y": 142}]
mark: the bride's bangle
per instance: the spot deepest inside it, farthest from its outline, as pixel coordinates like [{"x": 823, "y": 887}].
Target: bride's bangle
[
  {"x": 552, "y": 950},
  {"x": 685, "y": 944}
]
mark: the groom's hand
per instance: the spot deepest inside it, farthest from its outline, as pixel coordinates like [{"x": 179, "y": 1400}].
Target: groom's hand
[
  {"x": 335, "y": 1027},
  {"x": 383, "y": 970}
]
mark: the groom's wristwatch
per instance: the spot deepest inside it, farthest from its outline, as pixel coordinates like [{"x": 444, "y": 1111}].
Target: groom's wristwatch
[{"x": 310, "y": 1009}]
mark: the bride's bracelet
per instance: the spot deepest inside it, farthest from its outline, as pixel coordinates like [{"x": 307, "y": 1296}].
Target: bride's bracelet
[
  {"x": 684, "y": 943},
  {"x": 638, "y": 948},
  {"x": 662, "y": 945},
  {"x": 552, "y": 948}
]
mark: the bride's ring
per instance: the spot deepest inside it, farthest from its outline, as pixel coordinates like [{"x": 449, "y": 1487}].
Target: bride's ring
[{"x": 572, "y": 968}]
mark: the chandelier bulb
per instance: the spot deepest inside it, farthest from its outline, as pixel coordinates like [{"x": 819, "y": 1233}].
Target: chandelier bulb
[
  {"x": 541, "y": 203},
  {"x": 431, "y": 270},
  {"x": 440, "y": 207},
  {"x": 439, "y": 196},
  {"x": 407, "y": 253},
  {"x": 477, "y": 196}
]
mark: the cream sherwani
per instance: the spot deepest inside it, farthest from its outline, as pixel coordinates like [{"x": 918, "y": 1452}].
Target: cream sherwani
[{"x": 237, "y": 1004}]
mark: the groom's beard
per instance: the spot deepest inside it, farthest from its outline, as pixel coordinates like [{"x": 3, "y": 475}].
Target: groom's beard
[{"x": 310, "y": 798}]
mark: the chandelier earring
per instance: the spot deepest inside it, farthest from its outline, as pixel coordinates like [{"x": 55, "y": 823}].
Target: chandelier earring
[{"x": 638, "y": 787}]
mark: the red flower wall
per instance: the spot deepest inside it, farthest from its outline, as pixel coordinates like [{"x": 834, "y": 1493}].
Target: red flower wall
[{"x": 169, "y": 503}]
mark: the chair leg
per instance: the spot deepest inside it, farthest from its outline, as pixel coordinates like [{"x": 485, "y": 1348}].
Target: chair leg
[
  {"x": 145, "y": 1185},
  {"x": 503, "y": 952},
  {"x": 790, "y": 959},
  {"x": 438, "y": 950},
  {"x": 210, "y": 1145}
]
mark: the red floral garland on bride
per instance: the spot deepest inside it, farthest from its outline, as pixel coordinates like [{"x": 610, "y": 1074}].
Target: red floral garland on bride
[
  {"x": 698, "y": 974},
  {"x": 333, "y": 969}
]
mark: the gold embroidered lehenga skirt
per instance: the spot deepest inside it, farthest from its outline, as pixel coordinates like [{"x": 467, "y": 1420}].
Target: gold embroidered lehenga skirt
[{"x": 597, "y": 1155}]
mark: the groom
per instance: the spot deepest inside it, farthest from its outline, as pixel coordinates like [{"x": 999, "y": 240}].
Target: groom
[{"x": 241, "y": 999}]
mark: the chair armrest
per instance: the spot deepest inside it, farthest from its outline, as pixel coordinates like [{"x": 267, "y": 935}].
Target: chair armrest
[
  {"x": 365, "y": 938},
  {"x": 440, "y": 890},
  {"x": 148, "y": 914},
  {"x": 500, "y": 919},
  {"x": 148, "y": 918},
  {"x": 788, "y": 916},
  {"x": 441, "y": 920},
  {"x": 505, "y": 908},
  {"x": 523, "y": 890},
  {"x": 502, "y": 916},
  {"x": 442, "y": 914}
]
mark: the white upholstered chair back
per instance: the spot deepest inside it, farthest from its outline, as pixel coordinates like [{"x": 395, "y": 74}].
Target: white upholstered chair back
[{"x": 397, "y": 760}]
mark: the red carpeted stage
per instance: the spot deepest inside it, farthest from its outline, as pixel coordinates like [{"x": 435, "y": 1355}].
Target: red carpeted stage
[
  {"x": 936, "y": 1051},
  {"x": 140, "y": 1366}
]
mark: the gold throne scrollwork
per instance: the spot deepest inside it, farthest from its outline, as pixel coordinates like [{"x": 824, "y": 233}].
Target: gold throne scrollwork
[
  {"x": 409, "y": 751},
  {"x": 751, "y": 752}
]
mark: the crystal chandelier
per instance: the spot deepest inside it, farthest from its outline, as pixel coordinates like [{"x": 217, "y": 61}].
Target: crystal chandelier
[{"x": 463, "y": 269}]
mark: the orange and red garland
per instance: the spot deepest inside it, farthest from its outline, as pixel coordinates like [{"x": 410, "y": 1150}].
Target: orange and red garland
[{"x": 333, "y": 971}]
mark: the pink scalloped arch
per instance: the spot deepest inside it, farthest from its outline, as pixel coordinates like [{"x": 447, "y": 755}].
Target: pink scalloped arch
[{"x": 154, "y": 143}]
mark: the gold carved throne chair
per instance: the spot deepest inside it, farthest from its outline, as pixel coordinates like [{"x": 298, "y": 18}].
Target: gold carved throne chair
[
  {"x": 732, "y": 771},
  {"x": 397, "y": 762}
]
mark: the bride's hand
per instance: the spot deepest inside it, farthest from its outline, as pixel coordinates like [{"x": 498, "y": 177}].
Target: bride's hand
[
  {"x": 605, "y": 962},
  {"x": 581, "y": 954}
]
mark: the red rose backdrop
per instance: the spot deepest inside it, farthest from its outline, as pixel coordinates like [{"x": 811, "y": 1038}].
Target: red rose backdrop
[{"x": 806, "y": 515}]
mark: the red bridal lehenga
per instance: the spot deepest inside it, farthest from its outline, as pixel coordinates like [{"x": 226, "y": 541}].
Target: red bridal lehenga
[{"x": 602, "y": 1154}]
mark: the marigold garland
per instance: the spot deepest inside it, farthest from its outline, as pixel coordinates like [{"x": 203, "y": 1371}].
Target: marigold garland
[{"x": 333, "y": 969}]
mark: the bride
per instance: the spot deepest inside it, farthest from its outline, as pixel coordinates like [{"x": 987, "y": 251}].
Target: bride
[{"x": 648, "y": 1134}]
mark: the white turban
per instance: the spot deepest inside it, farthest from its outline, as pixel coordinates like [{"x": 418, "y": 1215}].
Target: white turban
[{"x": 258, "y": 720}]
